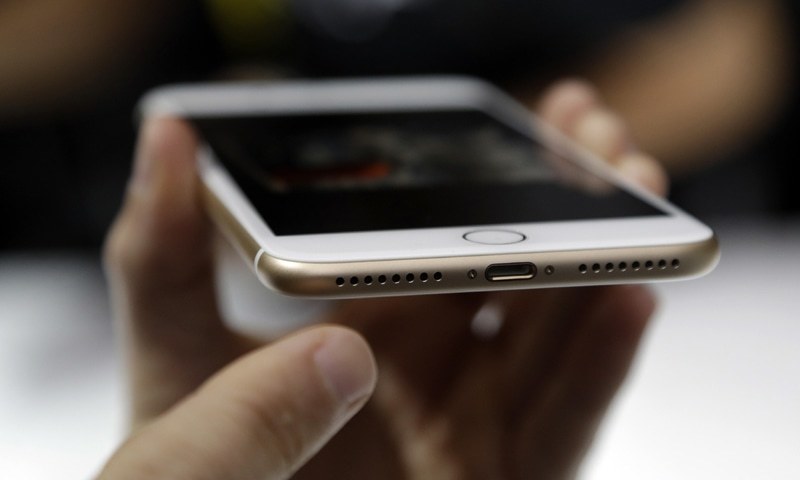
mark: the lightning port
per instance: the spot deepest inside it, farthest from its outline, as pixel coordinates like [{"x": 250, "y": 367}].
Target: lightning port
[{"x": 504, "y": 272}]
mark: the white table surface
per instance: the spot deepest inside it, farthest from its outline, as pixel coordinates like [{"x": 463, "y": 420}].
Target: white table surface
[{"x": 715, "y": 392}]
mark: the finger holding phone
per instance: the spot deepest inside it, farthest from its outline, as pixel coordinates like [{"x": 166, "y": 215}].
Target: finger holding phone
[{"x": 210, "y": 403}]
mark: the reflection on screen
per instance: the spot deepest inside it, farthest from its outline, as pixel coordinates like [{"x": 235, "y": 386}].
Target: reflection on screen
[{"x": 357, "y": 172}]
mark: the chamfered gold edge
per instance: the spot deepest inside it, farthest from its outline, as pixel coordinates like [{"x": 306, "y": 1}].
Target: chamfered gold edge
[
  {"x": 465, "y": 273},
  {"x": 462, "y": 274}
]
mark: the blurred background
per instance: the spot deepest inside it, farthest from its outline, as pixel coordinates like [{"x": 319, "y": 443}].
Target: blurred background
[{"x": 708, "y": 86}]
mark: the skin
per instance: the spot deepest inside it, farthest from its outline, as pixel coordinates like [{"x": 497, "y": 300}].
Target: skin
[
  {"x": 701, "y": 82},
  {"x": 59, "y": 56},
  {"x": 694, "y": 84},
  {"x": 208, "y": 402}
]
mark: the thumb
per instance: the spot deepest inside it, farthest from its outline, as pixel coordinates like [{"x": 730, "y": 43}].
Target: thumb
[{"x": 262, "y": 417}]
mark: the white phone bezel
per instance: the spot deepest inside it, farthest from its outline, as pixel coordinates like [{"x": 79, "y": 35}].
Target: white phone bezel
[{"x": 411, "y": 94}]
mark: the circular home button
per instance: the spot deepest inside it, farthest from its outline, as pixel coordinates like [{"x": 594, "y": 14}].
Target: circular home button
[{"x": 494, "y": 237}]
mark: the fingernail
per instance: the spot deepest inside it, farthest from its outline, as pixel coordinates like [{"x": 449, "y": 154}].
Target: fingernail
[{"x": 347, "y": 366}]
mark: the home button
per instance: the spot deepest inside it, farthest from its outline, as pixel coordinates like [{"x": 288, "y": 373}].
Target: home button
[{"x": 494, "y": 237}]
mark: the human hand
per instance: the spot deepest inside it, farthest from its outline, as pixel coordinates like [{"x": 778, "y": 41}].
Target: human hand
[
  {"x": 524, "y": 403},
  {"x": 456, "y": 402},
  {"x": 207, "y": 402}
]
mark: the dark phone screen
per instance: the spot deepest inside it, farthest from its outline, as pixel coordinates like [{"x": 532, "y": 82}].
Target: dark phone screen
[{"x": 329, "y": 173}]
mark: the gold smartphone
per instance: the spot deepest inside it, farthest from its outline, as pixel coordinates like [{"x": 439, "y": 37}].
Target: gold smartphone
[{"x": 379, "y": 187}]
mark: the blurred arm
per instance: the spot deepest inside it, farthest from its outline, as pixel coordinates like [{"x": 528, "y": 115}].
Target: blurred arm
[
  {"x": 699, "y": 83},
  {"x": 57, "y": 53},
  {"x": 702, "y": 82}
]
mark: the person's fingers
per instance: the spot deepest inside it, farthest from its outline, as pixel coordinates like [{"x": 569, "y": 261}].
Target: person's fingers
[
  {"x": 566, "y": 101},
  {"x": 538, "y": 325},
  {"x": 574, "y": 107},
  {"x": 159, "y": 262},
  {"x": 557, "y": 432},
  {"x": 161, "y": 237},
  {"x": 603, "y": 133},
  {"x": 262, "y": 417},
  {"x": 645, "y": 171},
  {"x": 414, "y": 334}
]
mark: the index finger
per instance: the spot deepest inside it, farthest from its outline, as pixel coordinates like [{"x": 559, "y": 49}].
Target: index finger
[
  {"x": 158, "y": 257},
  {"x": 575, "y": 108}
]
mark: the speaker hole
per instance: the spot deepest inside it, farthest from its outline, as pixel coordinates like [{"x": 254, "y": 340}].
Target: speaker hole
[
  {"x": 423, "y": 277},
  {"x": 354, "y": 281},
  {"x": 609, "y": 267},
  {"x": 340, "y": 281},
  {"x": 596, "y": 268},
  {"x": 636, "y": 266},
  {"x": 437, "y": 276},
  {"x": 583, "y": 268},
  {"x": 623, "y": 266},
  {"x": 662, "y": 264},
  {"x": 676, "y": 263},
  {"x": 410, "y": 278},
  {"x": 648, "y": 264},
  {"x": 368, "y": 280},
  {"x": 396, "y": 278},
  {"x": 382, "y": 279}
]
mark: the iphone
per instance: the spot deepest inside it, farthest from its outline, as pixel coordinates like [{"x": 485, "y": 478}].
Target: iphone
[{"x": 398, "y": 186}]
